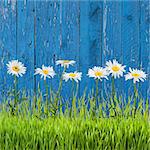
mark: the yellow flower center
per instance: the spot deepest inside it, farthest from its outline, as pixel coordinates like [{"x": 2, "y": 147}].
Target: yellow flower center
[
  {"x": 98, "y": 73},
  {"x": 66, "y": 61},
  {"x": 45, "y": 72},
  {"x": 72, "y": 75},
  {"x": 135, "y": 75},
  {"x": 15, "y": 68},
  {"x": 115, "y": 68}
]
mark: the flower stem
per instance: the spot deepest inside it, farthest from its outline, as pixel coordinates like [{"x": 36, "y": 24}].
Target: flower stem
[
  {"x": 113, "y": 88},
  {"x": 14, "y": 107},
  {"x": 135, "y": 97},
  {"x": 15, "y": 91},
  {"x": 96, "y": 96},
  {"x": 46, "y": 89},
  {"x": 59, "y": 90},
  {"x": 113, "y": 96},
  {"x": 72, "y": 90},
  {"x": 60, "y": 83},
  {"x": 77, "y": 88},
  {"x": 72, "y": 98}
]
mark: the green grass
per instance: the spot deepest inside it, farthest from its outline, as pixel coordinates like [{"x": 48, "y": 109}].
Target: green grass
[
  {"x": 42, "y": 124},
  {"x": 18, "y": 132}
]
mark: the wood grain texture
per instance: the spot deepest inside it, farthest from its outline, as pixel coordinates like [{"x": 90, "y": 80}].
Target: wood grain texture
[
  {"x": 90, "y": 39},
  {"x": 7, "y": 43},
  {"x": 130, "y": 38},
  {"x": 112, "y": 39},
  {"x": 25, "y": 41},
  {"x": 69, "y": 39},
  {"x": 89, "y": 32},
  {"x": 47, "y": 35},
  {"x": 145, "y": 44}
]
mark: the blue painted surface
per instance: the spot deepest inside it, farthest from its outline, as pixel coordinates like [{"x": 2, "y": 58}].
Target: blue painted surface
[
  {"x": 25, "y": 41},
  {"x": 90, "y": 32},
  {"x": 112, "y": 38}
]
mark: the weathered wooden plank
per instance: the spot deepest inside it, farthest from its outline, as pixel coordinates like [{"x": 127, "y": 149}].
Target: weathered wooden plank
[
  {"x": 69, "y": 22},
  {"x": 130, "y": 38},
  {"x": 55, "y": 31},
  {"x": 25, "y": 41},
  {"x": 144, "y": 55},
  {"x": 47, "y": 35},
  {"x": 90, "y": 39},
  {"x": 7, "y": 42},
  {"x": 112, "y": 39}
]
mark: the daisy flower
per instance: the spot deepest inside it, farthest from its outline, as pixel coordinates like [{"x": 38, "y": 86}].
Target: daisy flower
[
  {"x": 136, "y": 75},
  {"x": 16, "y": 68},
  {"x": 72, "y": 76},
  {"x": 115, "y": 69},
  {"x": 65, "y": 63},
  {"x": 98, "y": 73},
  {"x": 45, "y": 72}
]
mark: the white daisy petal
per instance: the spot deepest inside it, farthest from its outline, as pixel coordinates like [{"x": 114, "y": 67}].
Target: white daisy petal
[
  {"x": 16, "y": 68},
  {"x": 115, "y": 69},
  {"x": 98, "y": 73},
  {"x": 76, "y": 76},
  {"x": 45, "y": 72},
  {"x": 65, "y": 63},
  {"x": 136, "y": 75}
]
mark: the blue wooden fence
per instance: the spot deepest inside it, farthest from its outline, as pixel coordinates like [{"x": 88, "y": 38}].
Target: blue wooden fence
[{"x": 90, "y": 32}]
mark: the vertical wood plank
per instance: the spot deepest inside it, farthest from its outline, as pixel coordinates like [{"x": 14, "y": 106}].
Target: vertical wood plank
[
  {"x": 56, "y": 39},
  {"x": 130, "y": 38},
  {"x": 90, "y": 39},
  {"x": 25, "y": 42},
  {"x": 7, "y": 43},
  {"x": 112, "y": 39},
  {"x": 69, "y": 38},
  {"x": 145, "y": 45},
  {"x": 47, "y": 35}
]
